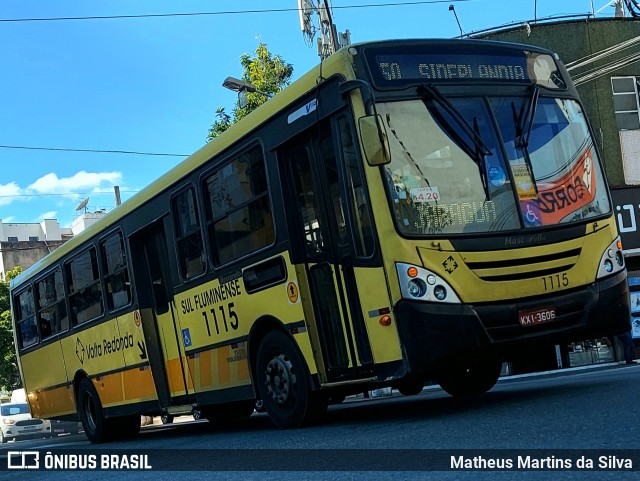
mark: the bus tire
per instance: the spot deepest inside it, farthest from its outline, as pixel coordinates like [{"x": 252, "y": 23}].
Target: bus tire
[
  {"x": 410, "y": 386},
  {"x": 90, "y": 412},
  {"x": 471, "y": 379},
  {"x": 283, "y": 383}
]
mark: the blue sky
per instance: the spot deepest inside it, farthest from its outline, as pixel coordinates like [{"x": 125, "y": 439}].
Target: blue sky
[{"x": 153, "y": 84}]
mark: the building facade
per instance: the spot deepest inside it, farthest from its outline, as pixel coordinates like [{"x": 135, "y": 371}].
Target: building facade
[{"x": 24, "y": 244}]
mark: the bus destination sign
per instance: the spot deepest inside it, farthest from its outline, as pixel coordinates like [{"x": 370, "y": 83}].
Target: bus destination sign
[{"x": 519, "y": 67}]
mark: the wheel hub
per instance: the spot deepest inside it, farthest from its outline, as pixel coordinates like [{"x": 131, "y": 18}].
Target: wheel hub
[{"x": 280, "y": 379}]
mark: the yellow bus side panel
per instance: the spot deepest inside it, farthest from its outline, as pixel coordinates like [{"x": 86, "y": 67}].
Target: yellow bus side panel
[
  {"x": 215, "y": 313},
  {"x": 220, "y": 368},
  {"x": 138, "y": 384},
  {"x": 52, "y": 402},
  {"x": 110, "y": 389},
  {"x": 42, "y": 370},
  {"x": 96, "y": 350},
  {"x": 175, "y": 376},
  {"x": 125, "y": 387},
  {"x": 44, "y": 367},
  {"x": 372, "y": 287}
]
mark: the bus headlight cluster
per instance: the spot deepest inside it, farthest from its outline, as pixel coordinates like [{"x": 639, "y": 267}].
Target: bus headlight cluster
[
  {"x": 421, "y": 284},
  {"x": 612, "y": 260}
]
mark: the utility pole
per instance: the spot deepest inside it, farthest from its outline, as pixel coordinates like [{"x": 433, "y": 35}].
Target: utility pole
[{"x": 329, "y": 40}]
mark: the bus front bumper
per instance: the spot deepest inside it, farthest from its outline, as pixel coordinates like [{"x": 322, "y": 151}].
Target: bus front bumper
[{"x": 433, "y": 334}]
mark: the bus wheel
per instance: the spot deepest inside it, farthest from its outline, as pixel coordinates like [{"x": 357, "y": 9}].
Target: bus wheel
[
  {"x": 90, "y": 412},
  {"x": 470, "y": 379},
  {"x": 410, "y": 386},
  {"x": 283, "y": 383}
]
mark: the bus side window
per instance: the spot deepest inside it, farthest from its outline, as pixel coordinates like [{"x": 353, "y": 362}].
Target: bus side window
[
  {"x": 191, "y": 257},
  {"x": 51, "y": 305},
  {"x": 85, "y": 293},
  {"x": 238, "y": 211},
  {"x": 26, "y": 324},
  {"x": 116, "y": 272}
]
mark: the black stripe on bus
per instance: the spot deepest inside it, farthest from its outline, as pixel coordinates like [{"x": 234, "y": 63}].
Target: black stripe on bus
[
  {"x": 56, "y": 386},
  {"x": 210, "y": 347},
  {"x": 115, "y": 371}
]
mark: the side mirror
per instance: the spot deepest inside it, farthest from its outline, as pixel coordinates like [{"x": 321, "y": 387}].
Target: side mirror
[{"x": 374, "y": 140}]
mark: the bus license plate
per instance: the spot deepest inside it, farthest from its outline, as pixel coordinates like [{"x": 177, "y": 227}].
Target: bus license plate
[{"x": 531, "y": 317}]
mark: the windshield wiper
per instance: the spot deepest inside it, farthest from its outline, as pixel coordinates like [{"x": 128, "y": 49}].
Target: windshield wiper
[
  {"x": 523, "y": 134},
  {"x": 479, "y": 150}
]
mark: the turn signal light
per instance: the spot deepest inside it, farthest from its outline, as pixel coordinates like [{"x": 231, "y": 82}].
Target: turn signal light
[
  {"x": 385, "y": 321},
  {"x": 412, "y": 271},
  {"x": 619, "y": 244}
]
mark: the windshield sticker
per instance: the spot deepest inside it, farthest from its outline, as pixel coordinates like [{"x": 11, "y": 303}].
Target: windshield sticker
[
  {"x": 425, "y": 194},
  {"x": 495, "y": 173},
  {"x": 559, "y": 198},
  {"x": 524, "y": 182}
]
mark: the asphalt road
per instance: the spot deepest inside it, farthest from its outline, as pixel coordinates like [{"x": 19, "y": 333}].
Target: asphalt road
[{"x": 588, "y": 412}]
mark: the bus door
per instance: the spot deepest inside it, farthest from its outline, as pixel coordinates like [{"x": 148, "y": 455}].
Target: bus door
[
  {"x": 159, "y": 319},
  {"x": 319, "y": 208}
]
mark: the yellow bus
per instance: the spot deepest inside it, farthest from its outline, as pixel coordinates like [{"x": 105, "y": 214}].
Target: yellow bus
[{"x": 407, "y": 211}]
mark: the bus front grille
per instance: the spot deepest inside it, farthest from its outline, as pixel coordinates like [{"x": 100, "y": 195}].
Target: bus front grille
[{"x": 515, "y": 269}]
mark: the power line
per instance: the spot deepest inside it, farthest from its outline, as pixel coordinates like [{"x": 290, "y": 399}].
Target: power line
[
  {"x": 57, "y": 149},
  {"x": 229, "y": 12},
  {"x": 64, "y": 194}
]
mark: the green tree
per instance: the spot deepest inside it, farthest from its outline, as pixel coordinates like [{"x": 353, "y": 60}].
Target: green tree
[
  {"x": 9, "y": 375},
  {"x": 268, "y": 73}
]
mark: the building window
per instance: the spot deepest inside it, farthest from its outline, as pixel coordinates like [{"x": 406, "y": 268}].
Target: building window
[
  {"x": 188, "y": 234},
  {"x": 12, "y": 239},
  {"x": 625, "y": 102},
  {"x": 627, "y": 108},
  {"x": 85, "y": 293},
  {"x": 52, "y": 309},
  {"x": 116, "y": 272},
  {"x": 238, "y": 210},
  {"x": 25, "y": 315},
  {"x": 33, "y": 239}
]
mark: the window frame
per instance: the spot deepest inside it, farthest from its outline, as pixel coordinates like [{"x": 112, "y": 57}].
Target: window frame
[
  {"x": 72, "y": 295},
  {"x": 106, "y": 274},
  {"x": 57, "y": 301},
  {"x": 180, "y": 240},
  {"x": 634, "y": 79},
  {"x": 20, "y": 318},
  {"x": 210, "y": 220}
]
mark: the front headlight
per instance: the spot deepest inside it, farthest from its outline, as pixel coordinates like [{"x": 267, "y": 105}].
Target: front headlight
[
  {"x": 612, "y": 260},
  {"x": 417, "y": 283}
]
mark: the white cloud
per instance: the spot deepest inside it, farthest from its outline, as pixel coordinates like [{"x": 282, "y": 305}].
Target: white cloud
[
  {"x": 81, "y": 182},
  {"x": 8, "y": 220},
  {"x": 8, "y": 193}
]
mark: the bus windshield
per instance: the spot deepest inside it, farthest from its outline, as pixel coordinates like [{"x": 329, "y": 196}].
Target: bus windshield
[{"x": 478, "y": 164}]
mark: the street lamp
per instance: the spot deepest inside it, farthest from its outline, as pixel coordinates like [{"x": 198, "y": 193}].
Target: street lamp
[
  {"x": 453, "y": 9},
  {"x": 242, "y": 87}
]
